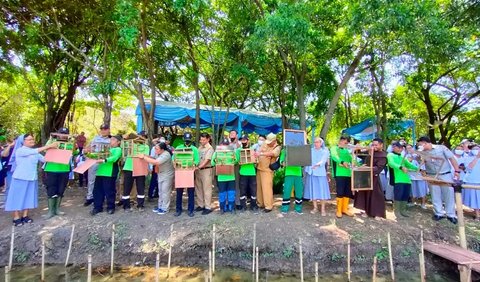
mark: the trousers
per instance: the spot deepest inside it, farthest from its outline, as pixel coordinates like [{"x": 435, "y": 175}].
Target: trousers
[
  {"x": 56, "y": 183},
  {"x": 128, "y": 180},
  {"x": 265, "y": 189},
  {"x": 104, "y": 189},
  {"x": 290, "y": 183},
  {"x": 191, "y": 200}
]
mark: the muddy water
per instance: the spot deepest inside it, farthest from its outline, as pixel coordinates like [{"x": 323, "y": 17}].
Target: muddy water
[{"x": 59, "y": 273}]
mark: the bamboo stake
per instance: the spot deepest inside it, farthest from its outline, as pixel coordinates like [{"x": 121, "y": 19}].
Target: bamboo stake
[
  {"x": 7, "y": 274},
  {"x": 254, "y": 243},
  {"x": 392, "y": 271},
  {"x": 266, "y": 276},
  {"x": 374, "y": 268},
  {"x": 301, "y": 258},
  {"x": 157, "y": 266},
  {"x": 316, "y": 272},
  {"x": 43, "y": 261},
  {"x": 210, "y": 266},
  {"x": 89, "y": 273},
  {"x": 10, "y": 259},
  {"x": 461, "y": 220},
  {"x": 70, "y": 246},
  {"x": 422, "y": 267},
  {"x": 205, "y": 275},
  {"x": 256, "y": 264},
  {"x": 113, "y": 250},
  {"x": 170, "y": 249},
  {"x": 348, "y": 260},
  {"x": 213, "y": 250}
]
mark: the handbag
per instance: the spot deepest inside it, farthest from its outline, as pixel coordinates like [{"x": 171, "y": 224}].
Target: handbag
[{"x": 275, "y": 165}]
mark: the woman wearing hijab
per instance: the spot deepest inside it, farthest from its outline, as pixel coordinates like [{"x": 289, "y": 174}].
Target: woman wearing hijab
[
  {"x": 316, "y": 182},
  {"x": 23, "y": 194}
]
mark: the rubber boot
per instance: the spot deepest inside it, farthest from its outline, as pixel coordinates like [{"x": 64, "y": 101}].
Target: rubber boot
[
  {"x": 403, "y": 209},
  {"x": 345, "y": 210},
  {"x": 58, "y": 202},
  {"x": 51, "y": 208},
  {"x": 339, "y": 207}
]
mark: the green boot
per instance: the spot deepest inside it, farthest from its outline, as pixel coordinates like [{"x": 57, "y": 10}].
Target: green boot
[
  {"x": 57, "y": 206},
  {"x": 51, "y": 208},
  {"x": 403, "y": 209}
]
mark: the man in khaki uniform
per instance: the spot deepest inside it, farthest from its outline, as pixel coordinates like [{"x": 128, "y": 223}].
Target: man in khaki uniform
[
  {"x": 204, "y": 175},
  {"x": 267, "y": 154}
]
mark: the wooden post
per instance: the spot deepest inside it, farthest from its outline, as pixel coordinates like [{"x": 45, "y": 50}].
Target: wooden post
[
  {"x": 70, "y": 246},
  {"x": 256, "y": 264},
  {"x": 392, "y": 271},
  {"x": 374, "y": 268},
  {"x": 113, "y": 250},
  {"x": 210, "y": 265},
  {"x": 316, "y": 272},
  {"x": 157, "y": 266},
  {"x": 348, "y": 260},
  {"x": 205, "y": 275},
  {"x": 422, "y": 252},
  {"x": 89, "y": 273},
  {"x": 461, "y": 220},
  {"x": 43, "y": 261},
  {"x": 213, "y": 250},
  {"x": 266, "y": 276},
  {"x": 7, "y": 274},
  {"x": 254, "y": 243},
  {"x": 10, "y": 259},
  {"x": 301, "y": 258},
  {"x": 422, "y": 267},
  {"x": 170, "y": 241}
]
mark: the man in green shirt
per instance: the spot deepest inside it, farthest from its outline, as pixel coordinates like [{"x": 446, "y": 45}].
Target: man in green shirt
[
  {"x": 57, "y": 178},
  {"x": 225, "y": 155},
  {"x": 341, "y": 162},
  {"x": 187, "y": 139},
  {"x": 248, "y": 179},
  {"x": 293, "y": 179},
  {"x": 401, "y": 179},
  {"x": 128, "y": 179},
  {"x": 106, "y": 176}
]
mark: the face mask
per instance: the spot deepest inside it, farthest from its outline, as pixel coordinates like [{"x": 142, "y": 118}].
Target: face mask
[
  {"x": 420, "y": 148},
  {"x": 232, "y": 139},
  {"x": 244, "y": 145},
  {"x": 260, "y": 142},
  {"x": 458, "y": 152},
  {"x": 187, "y": 143},
  {"x": 475, "y": 152}
]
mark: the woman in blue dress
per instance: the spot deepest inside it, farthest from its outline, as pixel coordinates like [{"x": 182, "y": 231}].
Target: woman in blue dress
[
  {"x": 23, "y": 194},
  {"x": 471, "y": 197},
  {"x": 316, "y": 181}
]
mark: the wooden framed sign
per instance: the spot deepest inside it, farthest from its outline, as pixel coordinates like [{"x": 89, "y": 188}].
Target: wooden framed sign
[
  {"x": 362, "y": 176},
  {"x": 298, "y": 155},
  {"x": 183, "y": 158},
  {"x": 292, "y": 137},
  {"x": 132, "y": 147},
  {"x": 247, "y": 156},
  {"x": 224, "y": 162}
]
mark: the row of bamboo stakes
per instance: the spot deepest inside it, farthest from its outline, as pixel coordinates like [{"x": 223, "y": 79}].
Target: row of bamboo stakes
[{"x": 211, "y": 258}]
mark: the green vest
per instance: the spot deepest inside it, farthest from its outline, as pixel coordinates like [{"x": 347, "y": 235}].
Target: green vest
[
  {"x": 290, "y": 170},
  {"x": 110, "y": 167},
  {"x": 396, "y": 161},
  {"x": 339, "y": 155}
]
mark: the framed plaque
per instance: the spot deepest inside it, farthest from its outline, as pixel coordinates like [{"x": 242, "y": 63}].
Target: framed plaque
[
  {"x": 183, "y": 158},
  {"x": 298, "y": 155},
  {"x": 362, "y": 176},
  {"x": 292, "y": 137},
  {"x": 224, "y": 162},
  {"x": 131, "y": 147},
  {"x": 247, "y": 156}
]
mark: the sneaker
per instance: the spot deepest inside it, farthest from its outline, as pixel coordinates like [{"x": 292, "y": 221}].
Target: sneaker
[
  {"x": 299, "y": 212},
  {"x": 141, "y": 209},
  {"x": 111, "y": 211},
  {"x": 191, "y": 214},
  {"x": 424, "y": 207},
  {"x": 157, "y": 210},
  {"x": 178, "y": 213},
  {"x": 88, "y": 202},
  {"x": 27, "y": 219},
  {"x": 17, "y": 222},
  {"x": 94, "y": 212},
  {"x": 206, "y": 211},
  {"x": 266, "y": 210},
  {"x": 162, "y": 212},
  {"x": 452, "y": 220},
  {"x": 284, "y": 212},
  {"x": 128, "y": 209},
  {"x": 437, "y": 217},
  {"x": 199, "y": 209}
]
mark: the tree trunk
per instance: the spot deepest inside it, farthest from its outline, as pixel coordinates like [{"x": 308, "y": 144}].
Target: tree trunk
[
  {"x": 299, "y": 80},
  {"x": 107, "y": 109},
  {"x": 333, "y": 104},
  {"x": 432, "y": 118}
]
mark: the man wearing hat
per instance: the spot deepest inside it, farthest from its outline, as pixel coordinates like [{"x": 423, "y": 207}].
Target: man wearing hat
[
  {"x": 203, "y": 176},
  {"x": 268, "y": 153},
  {"x": 106, "y": 176},
  {"x": 438, "y": 161},
  {"x": 57, "y": 177},
  {"x": 101, "y": 139},
  {"x": 187, "y": 139},
  {"x": 248, "y": 179},
  {"x": 402, "y": 183}
]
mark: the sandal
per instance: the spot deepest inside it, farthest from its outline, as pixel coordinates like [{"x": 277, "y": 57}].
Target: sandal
[
  {"x": 27, "y": 219},
  {"x": 17, "y": 222},
  {"x": 314, "y": 211}
]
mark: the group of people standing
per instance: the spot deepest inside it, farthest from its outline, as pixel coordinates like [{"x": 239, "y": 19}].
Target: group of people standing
[{"x": 246, "y": 185}]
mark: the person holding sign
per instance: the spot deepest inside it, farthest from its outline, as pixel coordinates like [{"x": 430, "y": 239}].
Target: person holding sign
[
  {"x": 23, "y": 194},
  {"x": 342, "y": 161},
  {"x": 57, "y": 178},
  {"x": 225, "y": 156},
  {"x": 248, "y": 178},
  {"x": 402, "y": 184},
  {"x": 187, "y": 138},
  {"x": 316, "y": 182},
  {"x": 293, "y": 180},
  {"x": 105, "y": 178},
  {"x": 128, "y": 179},
  {"x": 268, "y": 154}
]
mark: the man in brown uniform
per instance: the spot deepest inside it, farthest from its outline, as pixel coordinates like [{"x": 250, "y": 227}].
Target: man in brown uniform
[
  {"x": 204, "y": 176},
  {"x": 267, "y": 154},
  {"x": 373, "y": 202}
]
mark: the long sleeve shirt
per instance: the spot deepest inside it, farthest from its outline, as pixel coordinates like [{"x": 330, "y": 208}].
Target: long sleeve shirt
[
  {"x": 341, "y": 155},
  {"x": 319, "y": 157},
  {"x": 26, "y": 163},
  {"x": 110, "y": 167},
  {"x": 397, "y": 162}
]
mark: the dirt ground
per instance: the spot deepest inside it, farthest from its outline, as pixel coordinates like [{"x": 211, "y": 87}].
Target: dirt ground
[{"x": 140, "y": 235}]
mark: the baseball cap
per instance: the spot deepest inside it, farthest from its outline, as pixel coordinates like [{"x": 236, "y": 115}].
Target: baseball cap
[
  {"x": 64, "y": 130},
  {"x": 104, "y": 126},
  {"x": 424, "y": 139},
  {"x": 244, "y": 137},
  {"x": 187, "y": 136},
  {"x": 118, "y": 137},
  {"x": 225, "y": 141},
  {"x": 397, "y": 144},
  {"x": 270, "y": 138}
]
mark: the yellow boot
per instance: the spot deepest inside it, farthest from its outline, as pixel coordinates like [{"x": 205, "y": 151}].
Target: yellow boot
[
  {"x": 345, "y": 203},
  {"x": 339, "y": 207}
]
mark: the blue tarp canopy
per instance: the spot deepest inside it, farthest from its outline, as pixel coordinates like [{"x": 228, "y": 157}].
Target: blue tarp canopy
[
  {"x": 183, "y": 115},
  {"x": 367, "y": 129}
]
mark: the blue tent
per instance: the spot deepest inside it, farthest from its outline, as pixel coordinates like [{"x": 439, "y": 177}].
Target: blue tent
[
  {"x": 183, "y": 115},
  {"x": 367, "y": 129}
]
